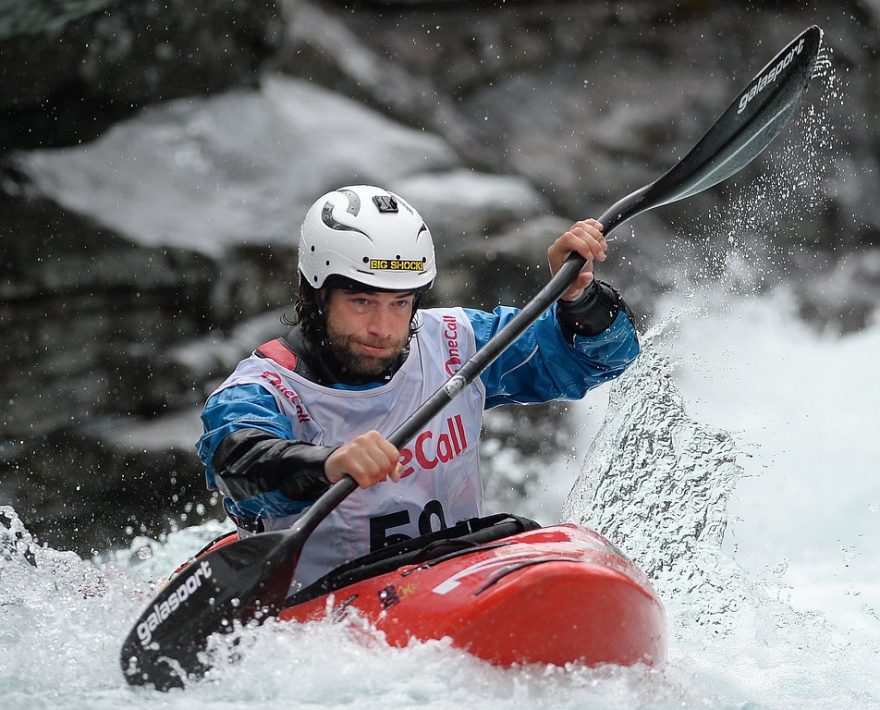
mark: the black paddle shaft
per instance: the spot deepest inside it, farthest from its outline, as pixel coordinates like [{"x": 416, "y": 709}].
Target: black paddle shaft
[{"x": 251, "y": 577}]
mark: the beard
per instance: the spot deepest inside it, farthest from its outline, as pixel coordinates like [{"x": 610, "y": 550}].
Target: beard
[{"x": 344, "y": 349}]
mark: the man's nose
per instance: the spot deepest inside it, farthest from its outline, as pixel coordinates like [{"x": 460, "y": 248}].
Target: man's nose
[{"x": 381, "y": 322}]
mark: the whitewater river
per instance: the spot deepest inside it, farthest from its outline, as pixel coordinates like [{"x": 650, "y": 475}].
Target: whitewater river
[
  {"x": 778, "y": 606},
  {"x": 757, "y": 515}
]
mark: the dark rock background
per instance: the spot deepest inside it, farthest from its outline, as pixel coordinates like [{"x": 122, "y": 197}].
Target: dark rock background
[{"x": 156, "y": 158}]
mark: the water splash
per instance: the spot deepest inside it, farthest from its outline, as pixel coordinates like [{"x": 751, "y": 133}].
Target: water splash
[
  {"x": 56, "y": 612},
  {"x": 24, "y": 563},
  {"x": 768, "y": 222},
  {"x": 656, "y": 483}
]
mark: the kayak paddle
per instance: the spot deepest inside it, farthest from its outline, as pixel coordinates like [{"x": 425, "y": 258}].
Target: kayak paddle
[{"x": 249, "y": 579}]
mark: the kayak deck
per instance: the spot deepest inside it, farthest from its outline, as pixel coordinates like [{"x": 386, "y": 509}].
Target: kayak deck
[{"x": 553, "y": 595}]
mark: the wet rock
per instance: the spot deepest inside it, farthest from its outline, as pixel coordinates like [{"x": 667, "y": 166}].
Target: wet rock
[
  {"x": 96, "y": 485},
  {"x": 210, "y": 174},
  {"x": 324, "y": 46},
  {"x": 70, "y": 70}
]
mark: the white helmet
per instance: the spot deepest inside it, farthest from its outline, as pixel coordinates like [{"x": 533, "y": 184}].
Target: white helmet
[{"x": 367, "y": 235}]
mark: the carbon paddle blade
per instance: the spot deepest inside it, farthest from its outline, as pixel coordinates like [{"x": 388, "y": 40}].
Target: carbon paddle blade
[
  {"x": 244, "y": 580},
  {"x": 743, "y": 131}
]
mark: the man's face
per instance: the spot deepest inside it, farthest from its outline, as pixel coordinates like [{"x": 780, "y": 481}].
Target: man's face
[{"x": 368, "y": 330}]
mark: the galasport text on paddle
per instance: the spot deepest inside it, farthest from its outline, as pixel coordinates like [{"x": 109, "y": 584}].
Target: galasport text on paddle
[{"x": 249, "y": 579}]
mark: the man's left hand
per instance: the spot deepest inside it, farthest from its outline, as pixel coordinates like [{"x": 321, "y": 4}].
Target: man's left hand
[{"x": 585, "y": 238}]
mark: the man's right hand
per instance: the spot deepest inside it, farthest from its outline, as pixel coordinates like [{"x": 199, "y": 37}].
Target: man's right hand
[{"x": 369, "y": 459}]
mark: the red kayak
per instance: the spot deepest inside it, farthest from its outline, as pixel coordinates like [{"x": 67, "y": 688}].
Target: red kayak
[{"x": 504, "y": 589}]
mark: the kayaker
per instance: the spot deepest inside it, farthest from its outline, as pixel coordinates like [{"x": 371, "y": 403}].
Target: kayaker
[{"x": 361, "y": 356}]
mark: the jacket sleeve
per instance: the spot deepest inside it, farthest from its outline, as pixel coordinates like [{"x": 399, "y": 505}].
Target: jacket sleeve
[
  {"x": 546, "y": 362},
  {"x": 249, "y": 449}
]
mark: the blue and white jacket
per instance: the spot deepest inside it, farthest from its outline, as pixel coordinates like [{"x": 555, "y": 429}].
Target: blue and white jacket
[{"x": 540, "y": 366}]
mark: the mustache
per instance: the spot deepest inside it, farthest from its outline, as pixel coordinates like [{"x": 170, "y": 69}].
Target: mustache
[
  {"x": 339, "y": 341},
  {"x": 383, "y": 343}
]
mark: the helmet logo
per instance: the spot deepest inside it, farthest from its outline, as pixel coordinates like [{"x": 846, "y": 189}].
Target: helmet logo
[
  {"x": 354, "y": 202},
  {"x": 385, "y": 203},
  {"x": 396, "y": 265},
  {"x": 328, "y": 219}
]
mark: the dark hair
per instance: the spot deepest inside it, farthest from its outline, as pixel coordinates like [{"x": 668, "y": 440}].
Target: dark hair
[{"x": 307, "y": 312}]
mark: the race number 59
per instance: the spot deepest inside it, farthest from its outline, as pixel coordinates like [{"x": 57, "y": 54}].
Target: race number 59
[{"x": 382, "y": 526}]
